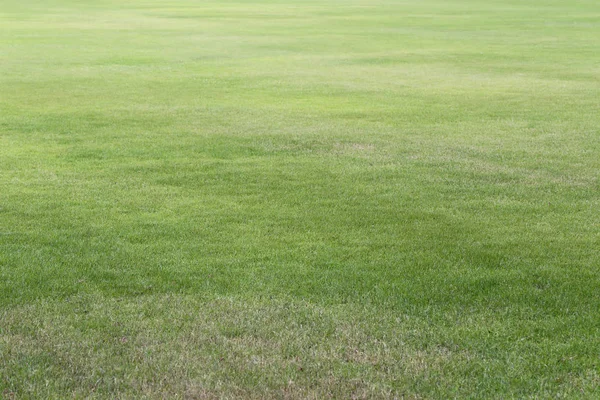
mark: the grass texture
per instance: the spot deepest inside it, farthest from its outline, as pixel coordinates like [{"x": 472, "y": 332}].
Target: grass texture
[{"x": 299, "y": 199}]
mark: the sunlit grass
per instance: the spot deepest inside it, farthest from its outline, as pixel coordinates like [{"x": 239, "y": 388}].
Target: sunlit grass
[{"x": 299, "y": 199}]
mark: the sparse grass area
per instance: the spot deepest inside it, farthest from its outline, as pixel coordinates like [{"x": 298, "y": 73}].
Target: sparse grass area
[{"x": 299, "y": 199}]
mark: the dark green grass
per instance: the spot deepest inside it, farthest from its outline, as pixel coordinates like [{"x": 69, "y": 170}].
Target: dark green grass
[{"x": 299, "y": 199}]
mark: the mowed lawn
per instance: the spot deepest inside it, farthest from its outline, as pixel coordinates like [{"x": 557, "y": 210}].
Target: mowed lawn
[{"x": 300, "y": 199}]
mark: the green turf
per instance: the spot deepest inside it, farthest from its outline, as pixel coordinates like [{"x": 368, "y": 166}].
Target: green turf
[{"x": 300, "y": 199}]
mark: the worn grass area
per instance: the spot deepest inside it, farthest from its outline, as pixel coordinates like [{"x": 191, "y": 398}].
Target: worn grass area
[
  {"x": 174, "y": 345},
  {"x": 303, "y": 199}
]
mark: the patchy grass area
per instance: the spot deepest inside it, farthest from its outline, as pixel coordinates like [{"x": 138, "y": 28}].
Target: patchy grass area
[
  {"x": 168, "y": 345},
  {"x": 299, "y": 199}
]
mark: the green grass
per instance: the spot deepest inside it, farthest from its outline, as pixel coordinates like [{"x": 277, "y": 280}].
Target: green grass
[{"x": 300, "y": 199}]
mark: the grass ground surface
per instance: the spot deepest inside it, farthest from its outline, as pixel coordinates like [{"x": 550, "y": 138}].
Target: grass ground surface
[{"x": 300, "y": 199}]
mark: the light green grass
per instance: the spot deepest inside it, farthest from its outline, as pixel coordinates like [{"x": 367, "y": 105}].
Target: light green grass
[{"x": 300, "y": 199}]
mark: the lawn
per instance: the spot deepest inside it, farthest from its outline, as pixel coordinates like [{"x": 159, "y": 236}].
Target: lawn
[{"x": 299, "y": 199}]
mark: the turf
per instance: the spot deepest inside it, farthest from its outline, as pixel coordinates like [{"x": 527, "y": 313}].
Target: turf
[{"x": 300, "y": 199}]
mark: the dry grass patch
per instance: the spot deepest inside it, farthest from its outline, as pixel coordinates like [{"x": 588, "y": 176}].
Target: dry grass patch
[{"x": 167, "y": 346}]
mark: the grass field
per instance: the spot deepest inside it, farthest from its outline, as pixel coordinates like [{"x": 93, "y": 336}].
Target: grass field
[{"x": 300, "y": 199}]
